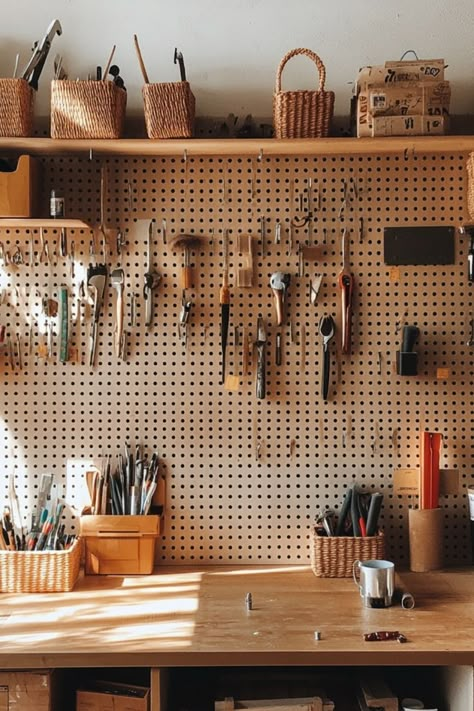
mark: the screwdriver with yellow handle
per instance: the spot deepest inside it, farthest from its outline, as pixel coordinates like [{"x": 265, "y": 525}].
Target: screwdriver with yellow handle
[{"x": 224, "y": 300}]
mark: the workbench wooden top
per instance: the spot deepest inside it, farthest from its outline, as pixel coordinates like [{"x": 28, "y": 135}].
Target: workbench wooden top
[{"x": 197, "y": 616}]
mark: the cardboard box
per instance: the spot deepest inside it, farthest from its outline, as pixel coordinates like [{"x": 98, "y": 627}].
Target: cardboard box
[
  {"x": 408, "y": 126},
  {"x": 110, "y": 696},
  {"x": 33, "y": 690},
  {"x": 421, "y": 70},
  {"x": 19, "y": 189},
  {"x": 426, "y": 99},
  {"x": 119, "y": 545}
]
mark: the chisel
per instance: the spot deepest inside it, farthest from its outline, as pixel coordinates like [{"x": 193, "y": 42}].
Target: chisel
[
  {"x": 346, "y": 285},
  {"x": 261, "y": 358}
]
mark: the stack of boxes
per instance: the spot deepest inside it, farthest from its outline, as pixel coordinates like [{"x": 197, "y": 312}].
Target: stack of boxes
[{"x": 405, "y": 98}]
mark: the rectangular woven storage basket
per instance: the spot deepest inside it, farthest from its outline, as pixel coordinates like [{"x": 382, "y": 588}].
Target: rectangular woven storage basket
[
  {"x": 470, "y": 186},
  {"x": 40, "y": 571},
  {"x": 87, "y": 109},
  {"x": 334, "y": 556},
  {"x": 16, "y": 108},
  {"x": 302, "y": 114},
  {"x": 169, "y": 109}
]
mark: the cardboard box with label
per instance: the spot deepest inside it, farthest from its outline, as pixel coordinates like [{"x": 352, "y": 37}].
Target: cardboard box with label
[{"x": 397, "y": 90}]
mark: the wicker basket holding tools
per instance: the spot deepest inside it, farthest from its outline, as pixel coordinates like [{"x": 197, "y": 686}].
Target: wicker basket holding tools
[
  {"x": 334, "y": 556},
  {"x": 87, "y": 109},
  {"x": 40, "y": 571},
  {"x": 302, "y": 113},
  {"x": 16, "y": 108},
  {"x": 169, "y": 109}
]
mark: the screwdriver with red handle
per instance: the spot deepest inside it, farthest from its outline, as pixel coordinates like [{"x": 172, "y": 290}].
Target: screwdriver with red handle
[{"x": 346, "y": 285}]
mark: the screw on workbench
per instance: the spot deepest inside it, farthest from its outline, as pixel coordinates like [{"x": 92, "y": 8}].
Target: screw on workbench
[
  {"x": 317, "y": 635},
  {"x": 248, "y": 601}
]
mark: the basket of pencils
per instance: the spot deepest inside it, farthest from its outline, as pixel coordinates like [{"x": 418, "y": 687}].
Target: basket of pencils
[
  {"x": 30, "y": 571},
  {"x": 87, "y": 109},
  {"x": 16, "y": 108},
  {"x": 302, "y": 114},
  {"x": 338, "y": 540}
]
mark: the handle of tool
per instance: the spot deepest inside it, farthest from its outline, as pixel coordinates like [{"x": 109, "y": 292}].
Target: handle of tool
[
  {"x": 373, "y": 513},
  {"x": 326, "y": 370},
  {"x": 225, "y": 311},
  {"x": 355, "y": 513},
  {"x": 119, "y": 322},
  {"x": 278, "y": 293},
  {"x": 93, "y": 343},
  {"x": 346, "y": 283},
  {"x": 261, "y": 372},
  {"x": 344, "y": 511},
  {"x": 64, "y": 325},
  {"x": 470, "y": 261},
  {"x": 278, "y": 349},
  {"x": 140, "y": 60},
  {"x": 186, "y": 277},
  {"x": 148, "y": 297}
]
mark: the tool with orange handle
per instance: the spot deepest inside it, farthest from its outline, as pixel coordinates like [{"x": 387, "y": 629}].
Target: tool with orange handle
[
  {"x": 186, "y": 243},
  {"x": 346, "y": 285},
  {"x": 224, "y": 300}
]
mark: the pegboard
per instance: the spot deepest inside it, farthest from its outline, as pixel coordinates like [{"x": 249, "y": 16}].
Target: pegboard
[{"x": 245, "y": 477}]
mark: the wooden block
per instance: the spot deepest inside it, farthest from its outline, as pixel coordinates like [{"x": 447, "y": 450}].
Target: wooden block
[
  {"x": 406, "y": 482},
  {"x": 18, "y": 189},
  {"x": 376, "y": 694},
  {"x": 313, "y": 703}
]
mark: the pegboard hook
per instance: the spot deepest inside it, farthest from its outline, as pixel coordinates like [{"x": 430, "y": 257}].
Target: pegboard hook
[
  {"x": 91, "y": 154},
  {"x": 260, "y": 155},
  {"x": 185, "y": 155}
]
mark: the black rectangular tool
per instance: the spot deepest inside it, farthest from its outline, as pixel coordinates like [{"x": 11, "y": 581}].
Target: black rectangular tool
[{"x": 418, "y": 245}]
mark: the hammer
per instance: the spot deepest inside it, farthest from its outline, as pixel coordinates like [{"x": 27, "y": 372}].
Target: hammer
[{"x": 186, "y": 243}]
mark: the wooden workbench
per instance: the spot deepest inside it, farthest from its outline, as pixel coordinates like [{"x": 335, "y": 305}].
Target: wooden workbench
[{"x": 197, "y": 617}]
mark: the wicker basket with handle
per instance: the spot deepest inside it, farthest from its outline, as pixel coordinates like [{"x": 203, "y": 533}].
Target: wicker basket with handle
[
  {"x": 333, "y": 556},
  {"x": 40, "y": 571},
  {"x": 16, "y": 108},
  {"x": 470, "y": 186},
  {"x": 302, "y": 113},
  {"x": 87, "y": 109}
]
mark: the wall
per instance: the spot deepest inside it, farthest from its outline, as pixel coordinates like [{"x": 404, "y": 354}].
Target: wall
[{"x": 232, "y": 50}]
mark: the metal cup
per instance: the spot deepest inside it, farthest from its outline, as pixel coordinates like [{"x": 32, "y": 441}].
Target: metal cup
[{"x": 375, "y": 580}]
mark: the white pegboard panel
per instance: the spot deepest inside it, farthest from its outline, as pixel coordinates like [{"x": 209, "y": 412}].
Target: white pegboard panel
[{"x": 245, "y": 477}]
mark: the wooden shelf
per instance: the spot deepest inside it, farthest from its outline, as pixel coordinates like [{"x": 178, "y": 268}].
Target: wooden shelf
[
  {"x": 46, "y": 222},
  {"x": 234, "y": 146}
]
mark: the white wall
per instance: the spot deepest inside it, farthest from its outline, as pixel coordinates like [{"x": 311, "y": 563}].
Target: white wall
[{"x": 232, "y": 48}]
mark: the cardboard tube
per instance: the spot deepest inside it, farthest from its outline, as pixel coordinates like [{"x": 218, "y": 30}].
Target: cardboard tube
[{"x": 425, "y": 529}]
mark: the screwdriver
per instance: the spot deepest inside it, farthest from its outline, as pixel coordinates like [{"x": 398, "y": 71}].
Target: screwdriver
[{"x": 346, "y": 284}]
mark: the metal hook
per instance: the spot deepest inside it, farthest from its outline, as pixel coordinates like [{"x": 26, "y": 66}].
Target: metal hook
[
  {"x": 185, "y": 155},
  {"x": 260, "y": 155},
  {"x": 91, "y": 154}
]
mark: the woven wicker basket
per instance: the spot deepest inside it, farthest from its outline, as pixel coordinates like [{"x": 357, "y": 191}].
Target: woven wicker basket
[
  {"x": 169, "y": 109},
  {"x": 333, "y": 556},
  {"x": 16, "y": 108},
  {"x": 302, "y": 114},
  {"x": 41, "y": 571},
  {"x": 470, "y": 185},
  {"x": 87, "y": 109}
]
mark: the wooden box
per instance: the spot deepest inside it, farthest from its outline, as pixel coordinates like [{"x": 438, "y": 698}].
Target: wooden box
[
  {"x": 32, "y": 690},
  {"x": 18, "y": 189},
  {"x": 108, "y": 696},
  {"x": 314, "y": 703},
  {"x": 119, "y": 545}
]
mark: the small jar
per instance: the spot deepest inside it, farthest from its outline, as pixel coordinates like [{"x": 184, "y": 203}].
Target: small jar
[{"x": 57, "y": 208}]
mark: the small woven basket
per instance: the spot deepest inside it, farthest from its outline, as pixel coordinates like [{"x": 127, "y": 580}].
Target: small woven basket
[
  {"x": 169, "y": 109},
  {"x": 16, "y": 108},
  {"x": 87, "y": 109},
  {"x": 334, "y": 556},
  {"x": 470, "y": 186},
  {"x": 302, "y": 114},
  {"x": 40, "y": 571}
]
